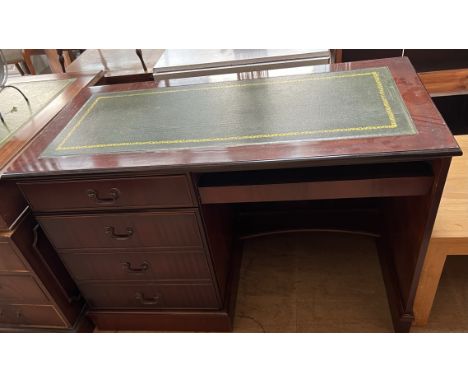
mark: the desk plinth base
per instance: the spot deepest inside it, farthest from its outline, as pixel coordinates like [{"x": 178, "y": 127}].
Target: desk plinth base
[
  {"x": 82, "y": 325},
  {"x": 215, "y": 321}
]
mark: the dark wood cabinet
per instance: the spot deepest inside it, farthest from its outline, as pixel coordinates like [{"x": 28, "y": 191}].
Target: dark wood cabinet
[
  {"x": 21, "y": 289},
  {"x": 136, "y": 244},
  {"x": 36, "y": 292},
  {"x": 423, "y": 60}
]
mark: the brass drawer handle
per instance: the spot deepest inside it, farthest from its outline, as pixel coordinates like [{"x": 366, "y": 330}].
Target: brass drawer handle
[
  {"x": 147, "y": 301},
  {"x": 123, "y": 236},
  {"x": 128, "y": 267},
  {"x": 114, "y": 194}
]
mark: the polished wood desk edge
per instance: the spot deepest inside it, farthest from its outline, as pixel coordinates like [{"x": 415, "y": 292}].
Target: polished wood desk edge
[
  {"x": 25, "y": 135},
  {"x": 434, "y": 140},
  {"x": 233, "y": 166}
]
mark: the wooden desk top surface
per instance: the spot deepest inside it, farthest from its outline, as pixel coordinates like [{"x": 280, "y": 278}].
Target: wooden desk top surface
[
  {"x": 432, "y": 139},
  {"x": 48, "y": 95},
  {"x": 114, "y": 62}
]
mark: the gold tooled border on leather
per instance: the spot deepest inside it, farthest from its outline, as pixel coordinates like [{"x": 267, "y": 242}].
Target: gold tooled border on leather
[{"x": 375, "y": 75}]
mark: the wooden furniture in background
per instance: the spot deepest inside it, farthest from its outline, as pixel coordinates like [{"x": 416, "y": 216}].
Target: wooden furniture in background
[
  {"x": 15, "y": 56},
  {"x": 69, "y": 54},
  {"x": 423, "y": 60},
  {"x": 88, "y": 204},
  {"x": 450, "y": 234},
  {"x": 36, "y": 292},
  {"x": 118, "y": 65},
  {"x": 445, "y": 82},
  {"x": 52, "y": 57}
]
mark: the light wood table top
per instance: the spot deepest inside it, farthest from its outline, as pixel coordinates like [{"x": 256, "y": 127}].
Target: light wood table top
[{"x": 452, "y": 218}]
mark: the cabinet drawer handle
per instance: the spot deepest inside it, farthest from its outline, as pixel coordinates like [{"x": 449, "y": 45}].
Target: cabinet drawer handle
[
  {"x": 114, "y": 194},
  {"x": 117, "y": 236},
  {"x": 128, "y": 267},
  {"x": 147, "y": 301}
]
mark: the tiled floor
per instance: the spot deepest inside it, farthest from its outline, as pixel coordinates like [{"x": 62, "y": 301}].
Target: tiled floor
[
  {"x": 311, "y": 283},
  {"x": 332, "y": 283}
]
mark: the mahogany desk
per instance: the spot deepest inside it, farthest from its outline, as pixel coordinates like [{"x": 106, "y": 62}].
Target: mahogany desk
[
  {"x": 34, "y": 290},
  {"x": 150, "y": 230}
]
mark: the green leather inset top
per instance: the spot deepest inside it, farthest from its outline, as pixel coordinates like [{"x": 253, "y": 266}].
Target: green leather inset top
[
  {"x": 16, "y": 111},
  {"x": 351, "y": 104}
]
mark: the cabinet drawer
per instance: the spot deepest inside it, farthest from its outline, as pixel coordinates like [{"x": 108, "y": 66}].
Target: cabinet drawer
[
  {"x": 21, "y": 289},
  {"x": 151, "y": 192},
  {"x": 9, "y": 260},
  {"x": 138, "y": 265},
  {"x": 150, "y": 295},
  {"x": 30, "y": 315},
  {"x": 174, "y": 229}
]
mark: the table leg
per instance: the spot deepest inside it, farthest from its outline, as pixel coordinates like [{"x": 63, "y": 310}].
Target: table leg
[
  {"x": 429, "y": 281},
  {"x": 439, "y": 249}
]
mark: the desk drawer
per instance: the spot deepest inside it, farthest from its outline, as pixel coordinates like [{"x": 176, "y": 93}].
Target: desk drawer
[
  {"x": 30, "y": 315},
  {"x": 151, "y": 192},
  {"x": 9, "y": 260},
  {"x": 150, "y": 295},
  {"x": 171, "y": 229},
  {"x": 337, "y": 182},
  {"x": 21, "y": 289},
  {"x": 137, "y": 266}
]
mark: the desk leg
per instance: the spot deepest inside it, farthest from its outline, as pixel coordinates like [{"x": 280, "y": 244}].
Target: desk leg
[{"x": 406, "y": 232}]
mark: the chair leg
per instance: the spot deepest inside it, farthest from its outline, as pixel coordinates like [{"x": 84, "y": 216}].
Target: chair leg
[
  {"x": 25, "y": 67},
  {"x": 140, "y": 56},
  {"x": 428, "y": 283},
  {"x": 28, "y": 61},
  {"x": 20, "y": 69},
  {"x": 61, "y": 59}
]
